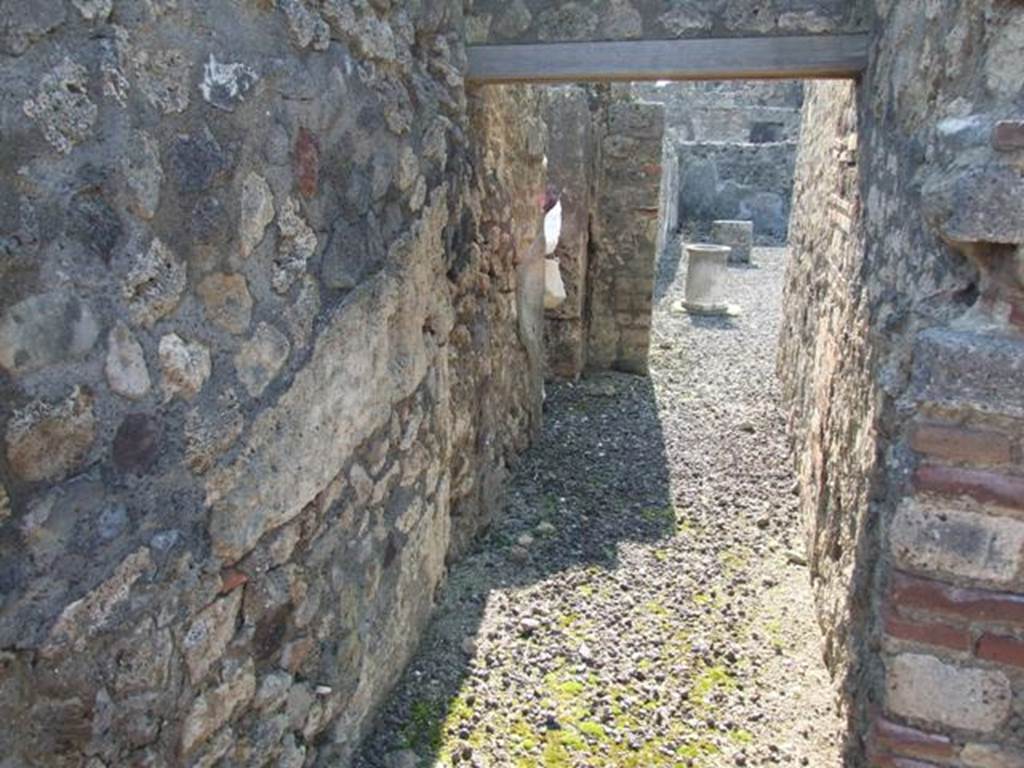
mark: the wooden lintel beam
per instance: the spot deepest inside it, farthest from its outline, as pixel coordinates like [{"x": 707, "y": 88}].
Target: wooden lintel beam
[{"x": 741, "y": 58}]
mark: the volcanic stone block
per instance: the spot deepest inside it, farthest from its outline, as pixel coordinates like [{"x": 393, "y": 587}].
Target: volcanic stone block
[
  {"x": 738, "y": 235},
  {"x": 45, "y": 330},
  {"x": 46, "y": 441},
  {"x": 980, "y": 204},
  {"x": 937, "y": 537},
  {"x": 925, "y": 688},
  {"x": 961, "y": 369},
  {"x": 530, "y": 21}
]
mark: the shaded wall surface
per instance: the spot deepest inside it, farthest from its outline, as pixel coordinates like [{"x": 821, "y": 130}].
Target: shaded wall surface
[
  {"x": 262, "y": 365},
  {"x": 573, "y": 163},
  {"x": 825, "y": 368},
  {"x": 901, "y": 363}
]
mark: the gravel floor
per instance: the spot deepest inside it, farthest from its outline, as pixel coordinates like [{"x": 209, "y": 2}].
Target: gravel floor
[{"x": 642, "y": 603}]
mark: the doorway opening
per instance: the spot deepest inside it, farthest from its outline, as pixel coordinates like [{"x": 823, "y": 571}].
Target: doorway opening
[{"x": 645, "y": 599}]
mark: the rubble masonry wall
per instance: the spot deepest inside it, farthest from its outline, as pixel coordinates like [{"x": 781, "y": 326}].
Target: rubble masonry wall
[
  {"x": 901, "y": 364},
  {"x": 261, "y": 372}
]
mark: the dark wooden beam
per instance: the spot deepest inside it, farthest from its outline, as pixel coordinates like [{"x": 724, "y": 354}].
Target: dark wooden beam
[{"x": 742, "y": 58}]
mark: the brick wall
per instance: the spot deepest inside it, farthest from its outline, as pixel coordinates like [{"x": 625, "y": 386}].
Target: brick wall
[
  {"x": 605, "y": 161},
  {"x": 903, "y": 369},
  {"x": 624, "y": 237},
  {"x": 573, "y": 160},
  {"x": 952, "y": 615}
]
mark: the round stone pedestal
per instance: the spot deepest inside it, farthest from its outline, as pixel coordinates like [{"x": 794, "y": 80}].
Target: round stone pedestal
[
  {"x": 705, "y": 279},
  {"x": 738, "y": 235}
]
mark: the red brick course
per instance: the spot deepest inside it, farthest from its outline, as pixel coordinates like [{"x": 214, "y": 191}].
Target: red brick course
[
  {"x": 1000, "y": 649},
  {"x": 984, "y": 486},
  {"x": 1008, "y": 135},
  {"x": 1017, "y": 315},
  {"x": 912, "y": 593},
  {"x": 963, "y": 444},
  {"x": 893, "y": 761},
  {"x": 230, "y": 580},
  {"x": 307, "y": 163},
  {"x": 929, "y": 633},
  {"x": 904, "y": 741}
]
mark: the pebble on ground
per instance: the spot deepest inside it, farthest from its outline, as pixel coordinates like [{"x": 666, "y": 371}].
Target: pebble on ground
[{"x": 640, "y": 604}]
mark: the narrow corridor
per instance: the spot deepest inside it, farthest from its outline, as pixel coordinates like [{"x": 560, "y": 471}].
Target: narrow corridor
[{"x": 643, "y": 602}]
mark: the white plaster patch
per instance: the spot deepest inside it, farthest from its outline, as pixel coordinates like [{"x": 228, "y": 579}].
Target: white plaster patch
[
  {"x": 953, "y": 126},
  {"x": 224, "y": 85},
  {"x": 552, "y": 228}
]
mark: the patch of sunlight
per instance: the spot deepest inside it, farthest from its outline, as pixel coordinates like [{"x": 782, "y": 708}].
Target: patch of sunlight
[
  {"x": 711, "y": 680},
  {"x": 741, "y": 736},
  {"x": 655, "y": 608},
  {"x": 697, "y": 750}
]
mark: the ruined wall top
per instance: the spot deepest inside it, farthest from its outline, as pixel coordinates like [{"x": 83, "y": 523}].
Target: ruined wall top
[{"x": 532, "y": 21}]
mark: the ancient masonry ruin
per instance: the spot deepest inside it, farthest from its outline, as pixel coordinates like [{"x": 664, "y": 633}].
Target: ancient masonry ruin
[
  {"x": 605, "y": 163},
  {"x": 271, "y": 339},
  {"x": 730, "y": 154}
]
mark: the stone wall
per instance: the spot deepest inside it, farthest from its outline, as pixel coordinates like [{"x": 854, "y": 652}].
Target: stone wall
[
  {"x": 751, "y": 182},
  {"x": 263, "y": 362},
  {"x": 950, "y": 665},
  {"x": 523, "y": 21},
  {"x": 908, "y": 418},
  {"x": 727, "y": 110},
  {"x": 496, "y": 347}
]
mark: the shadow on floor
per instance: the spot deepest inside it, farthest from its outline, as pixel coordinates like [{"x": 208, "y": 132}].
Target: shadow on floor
[
  {"x": 597, "y": 477},
  {"x": 667, "y": 268},
  {"x": 714, "y": 322}
]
